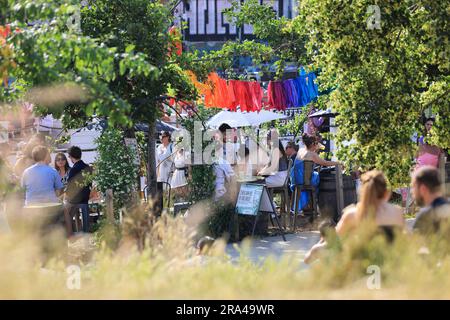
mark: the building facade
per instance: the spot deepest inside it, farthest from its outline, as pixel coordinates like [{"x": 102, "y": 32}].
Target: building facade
[{"x": 207, "y": 23}]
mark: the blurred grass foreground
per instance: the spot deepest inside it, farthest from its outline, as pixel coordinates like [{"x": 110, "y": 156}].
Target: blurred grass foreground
[{"x": 145, "y": 258}]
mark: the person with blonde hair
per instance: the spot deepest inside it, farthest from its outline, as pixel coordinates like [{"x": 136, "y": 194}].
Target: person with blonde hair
[
  {"x": 42, "y": 183},
  {"x": 373, "y": 206}
]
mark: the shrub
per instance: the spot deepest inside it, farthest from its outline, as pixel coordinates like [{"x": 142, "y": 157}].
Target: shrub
[{"x": 114, "y": 167}]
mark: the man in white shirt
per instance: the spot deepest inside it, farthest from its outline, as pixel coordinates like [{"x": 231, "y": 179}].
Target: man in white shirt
[
  {"x": 224, "y": 175},
  {"x": 164, "y": 159}
]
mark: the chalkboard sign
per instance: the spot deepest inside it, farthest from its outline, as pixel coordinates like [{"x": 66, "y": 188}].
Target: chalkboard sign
[
  {"x": 249, "y": 199},
  {"x": 253, "y": 199}
]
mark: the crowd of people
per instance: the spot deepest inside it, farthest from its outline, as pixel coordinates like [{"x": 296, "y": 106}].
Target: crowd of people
[
  {"x": 284, "y": 164},
  {"x": 66, "y": 182},
  {"x": 42, "y": 184},
  {"x": 270, "y": 162},
  {"x": 373, "y": 208}
]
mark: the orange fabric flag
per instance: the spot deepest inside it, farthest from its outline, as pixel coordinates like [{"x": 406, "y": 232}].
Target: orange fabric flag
[{"x": 217, "y": 93}]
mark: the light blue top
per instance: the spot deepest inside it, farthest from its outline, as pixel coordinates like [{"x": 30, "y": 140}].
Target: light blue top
[{"x": 40, "y": 182}]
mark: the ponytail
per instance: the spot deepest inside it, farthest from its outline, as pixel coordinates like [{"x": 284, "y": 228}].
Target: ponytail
[{"x": 374, "y": 187}]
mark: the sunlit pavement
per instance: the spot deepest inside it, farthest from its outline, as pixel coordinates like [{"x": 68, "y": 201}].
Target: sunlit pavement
[
  {"x": 260, "y": 249},
  {"x": 296, "y": 246}
]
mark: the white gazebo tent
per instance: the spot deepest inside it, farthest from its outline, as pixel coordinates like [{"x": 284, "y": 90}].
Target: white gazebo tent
[{"x": 243, "y": 119}]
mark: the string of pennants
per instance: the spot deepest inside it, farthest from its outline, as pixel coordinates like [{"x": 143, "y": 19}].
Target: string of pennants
[{"x": 251, "y": 96}]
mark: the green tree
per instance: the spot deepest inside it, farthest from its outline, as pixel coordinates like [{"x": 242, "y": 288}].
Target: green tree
[
  {"x": 384, "y": 78},
  {"x": 141, "y": 26},
  {"x": 382, "y": 75},
  {"x": 48, "y": 51},
  {"x": 202, "y": 177},
  {"x": 118, "y": 57},
  {"x": 115, "y": 168}
]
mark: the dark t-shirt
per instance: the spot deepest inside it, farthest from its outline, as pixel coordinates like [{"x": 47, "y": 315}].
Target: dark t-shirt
[
  {"x": 293, "y": 157},
  {"x": 78, "y": 191},
  {"x": 429, "y": 219}
]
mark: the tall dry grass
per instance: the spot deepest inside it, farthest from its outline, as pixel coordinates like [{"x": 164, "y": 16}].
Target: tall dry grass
[{"x": 156, "y": 259}]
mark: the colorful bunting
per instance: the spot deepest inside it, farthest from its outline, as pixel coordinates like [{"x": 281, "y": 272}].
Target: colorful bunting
[{"x": 249, "y": 95}]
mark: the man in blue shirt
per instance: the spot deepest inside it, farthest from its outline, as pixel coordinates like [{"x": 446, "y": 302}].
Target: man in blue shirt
[{"x": 42, "y": 183}]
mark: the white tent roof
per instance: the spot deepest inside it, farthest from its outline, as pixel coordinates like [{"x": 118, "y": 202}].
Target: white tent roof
[{"x": 243, "y": 119}]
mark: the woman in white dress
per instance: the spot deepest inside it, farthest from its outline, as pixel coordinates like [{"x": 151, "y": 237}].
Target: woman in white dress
[
  {"x": 178, "y": 182},
  {"x": 164, "y": 158}
]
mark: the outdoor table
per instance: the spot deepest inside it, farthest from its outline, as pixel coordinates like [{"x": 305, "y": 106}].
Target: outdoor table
[
  {"x": 265, "y": 175},
  {"x": 249, "y": 179}
]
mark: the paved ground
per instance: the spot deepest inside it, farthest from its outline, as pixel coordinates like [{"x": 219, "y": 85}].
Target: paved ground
[{"x": 296, "y": 246}]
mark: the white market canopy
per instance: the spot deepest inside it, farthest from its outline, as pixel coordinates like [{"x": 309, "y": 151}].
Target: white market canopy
[
  {"x": 243, "y": 119},
  {"x": 323, "y": 113}
]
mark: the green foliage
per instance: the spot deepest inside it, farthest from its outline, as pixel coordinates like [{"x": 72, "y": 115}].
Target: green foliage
[
  {"x": 381, "y": 76},
  {"x": 225, "y": 58},
  {"x": 282, "y": 39},
  {"x": 114, "y": 167},
  {"x": 119, "y": 57},
  {"x": 217, "y": 224},
  {"x": 201, "y": 181},
  {"x": 384, "y": 78},
  {"x": 50, "y": 53},
  {"x": 293, "y": 126},
  {"x": 142, "y": 149},
  {"x": 138, "y": 26},
  {"x": 6, "y": 182}
]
